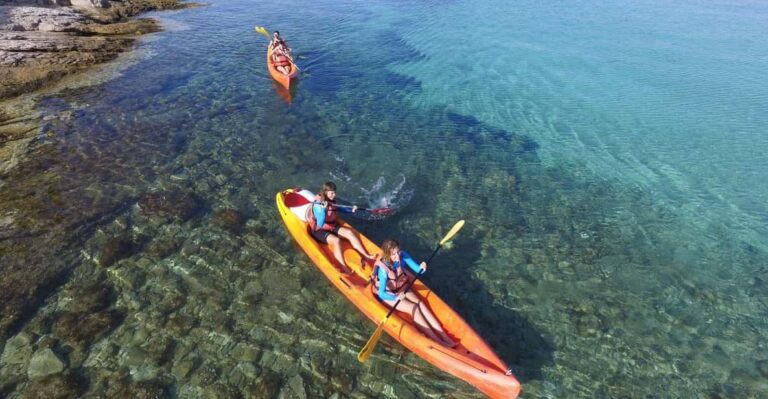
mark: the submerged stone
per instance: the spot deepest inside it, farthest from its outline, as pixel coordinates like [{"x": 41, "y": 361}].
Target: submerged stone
[
  {"x": 44, "y": 362},
  {"x": 266, "y": 385},
  {"x": 296, "y": 384},
  {"x": 83, "y": 329},
  {"x": 229, "y": 219},
  {"x": 116, "y": 248},
  {"x": 18, "y": 349},
  {"x": 178, "y": 205},
  {"x": 57, "y": 386},
  {"x": 90, "y": 297}
]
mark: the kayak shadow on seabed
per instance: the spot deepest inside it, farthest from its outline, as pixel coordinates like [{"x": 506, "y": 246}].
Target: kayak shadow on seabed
[{"x": 525, "y": 349}]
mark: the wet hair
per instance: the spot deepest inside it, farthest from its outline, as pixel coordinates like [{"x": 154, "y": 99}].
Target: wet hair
[
  {"x": 386, "y": 250},
  {"x": 328, "y": 186},
  {"x": 277, "y": 32}
]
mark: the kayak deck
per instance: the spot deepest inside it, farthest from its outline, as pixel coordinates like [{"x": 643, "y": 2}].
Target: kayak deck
[
  {"x": 283, "y": 79},
  {"x": 472, "y": 360}
]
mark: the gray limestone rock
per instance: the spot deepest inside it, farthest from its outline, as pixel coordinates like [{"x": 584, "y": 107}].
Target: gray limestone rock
[
  {"x": 44, "y": 362},
  {"x": 17, "y": 350}
]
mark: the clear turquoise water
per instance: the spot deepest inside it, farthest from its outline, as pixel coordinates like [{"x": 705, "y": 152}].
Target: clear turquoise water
[{"x": 608, "y": 159}]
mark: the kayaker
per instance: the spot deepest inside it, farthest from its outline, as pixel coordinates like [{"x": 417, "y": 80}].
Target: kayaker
[
  {"x": 389, "y": 279},
  {"x": 281, "y": 53},
  {"x": 281, "y": 60},
  {"x": 277, "y": 40},
  {"x": 325, "y": 229}
]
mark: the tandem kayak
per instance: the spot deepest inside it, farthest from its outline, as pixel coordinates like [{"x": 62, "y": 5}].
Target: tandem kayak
[
  {"x": 472, "y": 360},
  {"x": 283, "y": 79}
]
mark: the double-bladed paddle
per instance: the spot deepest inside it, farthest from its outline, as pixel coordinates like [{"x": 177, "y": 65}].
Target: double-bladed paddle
[{"x": 296, "y": 199}]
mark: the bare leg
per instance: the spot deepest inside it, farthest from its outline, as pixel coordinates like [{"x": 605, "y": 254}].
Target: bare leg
[
  {"x": 356, "y": 244},
  {"x": 431, "y": 320},
  {"x": 335, "y": 242},
  {"x": 406, "y": 306}
]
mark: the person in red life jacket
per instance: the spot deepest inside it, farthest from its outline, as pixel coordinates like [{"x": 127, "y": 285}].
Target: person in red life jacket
[
  {"x": 281, "y": 60},
  {"x": 389, "y": 279},
  {"x": 281, "y": 53},
  {"x": 324, "y": 228}
]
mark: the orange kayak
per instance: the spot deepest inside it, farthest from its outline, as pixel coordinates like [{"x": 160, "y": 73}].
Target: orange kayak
[
  {"x": 283, "y": 79},
  {"x": 472, "y": 360}
]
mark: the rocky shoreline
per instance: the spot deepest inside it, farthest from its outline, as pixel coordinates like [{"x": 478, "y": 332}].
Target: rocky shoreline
[
  {"x": 43, "y": 40},
  {"x": 42, "y": 44}
]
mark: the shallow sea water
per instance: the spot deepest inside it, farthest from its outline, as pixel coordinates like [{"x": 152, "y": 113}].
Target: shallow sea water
[{"x": 615, "y": 237}]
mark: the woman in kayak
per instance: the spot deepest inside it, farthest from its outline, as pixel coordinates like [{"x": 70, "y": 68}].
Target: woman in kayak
[
  {"x": 281, "y": 53},
  {"x": 324, "y": 228},
  {"x": 281, "y": 60},
  {"x": 390, "y": 278},
  {"x": 277, "y": 40}
]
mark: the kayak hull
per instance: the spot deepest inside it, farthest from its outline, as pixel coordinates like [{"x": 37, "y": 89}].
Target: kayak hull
[
  {"x": 284, "y": 80},
  {"x": 472, "y": 360}
]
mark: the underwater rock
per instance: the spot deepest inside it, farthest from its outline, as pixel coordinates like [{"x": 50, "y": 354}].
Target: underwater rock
[
  {"x": 179, "y": 324},
  {"x": 205, "y": 375},
  {"x": 58, "y": 386},
  {"x": 102, "y": 355},
  {"x": 116, "y": 248},
  {"x": 229, "y": 219},
  {"x": 182, "y": 367},
  {"x": 44, "y": 362},
  {"x": 18, "y": 349},
  {"x": 162, "y": 247},
  {"x": 159, "y": 349},
  {"x": 149, "y": 389},
  {"x": 83, "y": 329},
  {"x": 170, "y": 204},
  {"x": 296, "y": 384},
  {"x": 266, "y": 386},
  {"x": 246, "y": 353},
  {"x": 171, "y": 302},
  {"x": 92, "y": 296},
  {"x": 340, "y": 380}
]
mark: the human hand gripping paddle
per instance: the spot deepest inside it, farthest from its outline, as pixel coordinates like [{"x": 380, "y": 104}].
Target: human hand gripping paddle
[
  {"x": 295, "y": 199},
  {"x": 265, "y": 32},
  {"x": 365, "y": 353}
]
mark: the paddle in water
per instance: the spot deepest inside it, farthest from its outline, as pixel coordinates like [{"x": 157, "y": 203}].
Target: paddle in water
[
  {"x": 365, "y": 353},
  {"x": 294, "y": 199}
]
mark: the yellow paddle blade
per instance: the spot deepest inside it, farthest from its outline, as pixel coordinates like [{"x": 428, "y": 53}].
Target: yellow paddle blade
[
  {"x": 452, "y": 232},
  {"x": 365, "y": 353},
  {"x": 263, "y": 31}
]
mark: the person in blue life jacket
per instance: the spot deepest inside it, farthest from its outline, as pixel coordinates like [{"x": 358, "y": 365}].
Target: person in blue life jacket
[
  {"x": 389, "y": 280},
  {"x": 324, "y": 228}
]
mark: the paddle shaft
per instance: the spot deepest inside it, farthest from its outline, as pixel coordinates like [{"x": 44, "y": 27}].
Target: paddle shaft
[
  {"x": 371, "y": 344},
  {"x": 375, "y": 210}
]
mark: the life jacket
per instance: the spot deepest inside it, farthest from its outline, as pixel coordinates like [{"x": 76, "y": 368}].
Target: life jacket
[
  {"x": 330, "y": 216},
  {"x": 280, "y": 60},
  {"x": 395, "y": 281}
]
